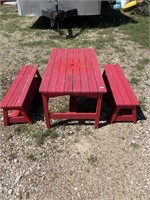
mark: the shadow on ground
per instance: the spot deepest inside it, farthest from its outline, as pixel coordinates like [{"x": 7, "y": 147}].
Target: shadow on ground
[
  {"x": 83, "y": 105},
  {"x": 37, "y": 112},
  {"x": 140, "y": 114},
  {"x": 108, "y": 18}
]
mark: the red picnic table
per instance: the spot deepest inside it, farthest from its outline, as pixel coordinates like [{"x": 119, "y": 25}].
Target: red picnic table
[{"x": 74, "y": 72}]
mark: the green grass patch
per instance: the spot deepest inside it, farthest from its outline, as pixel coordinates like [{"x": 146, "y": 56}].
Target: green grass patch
[
  {"x": 50, "y": 132},
  {"x": 41, "y": 43},
  {"x": 138, "y": 32},
  {"x": 12, "y": 156},
  {"x": 135, "y": 81},
  {"x": 92, "y": 160},
  {"x": 102, "y": 42},
  {"x": 63, "y": 107},
  {"x": 27, "y": 195},
  {"x": 40, "y": 136},
  {"x": 7, "y": 16},
  {"x": 36, "y": 132},
  {"x": 142, "y": 63},
  {"x": 2, "y": 77},
  {"x": 20, "y": 129},
  {"x": 31, "y": 157}
]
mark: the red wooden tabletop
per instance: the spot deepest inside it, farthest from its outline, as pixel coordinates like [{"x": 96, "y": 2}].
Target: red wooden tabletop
[{"x": 72, "y": 71}]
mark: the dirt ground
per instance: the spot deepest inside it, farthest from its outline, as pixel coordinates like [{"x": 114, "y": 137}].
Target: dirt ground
[{"x": 74, "y": 161}]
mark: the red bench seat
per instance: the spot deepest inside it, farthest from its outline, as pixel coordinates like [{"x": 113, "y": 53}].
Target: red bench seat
[
  {"x": 122, "y": 98},
  {"x": 19, "y": 97}
]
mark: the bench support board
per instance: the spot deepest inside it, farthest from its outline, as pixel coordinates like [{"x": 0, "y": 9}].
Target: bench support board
[{"x": 123, "y": 116}]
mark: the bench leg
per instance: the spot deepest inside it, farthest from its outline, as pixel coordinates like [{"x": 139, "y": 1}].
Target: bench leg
[
  {"x": 26, "y": 116},
  {"x": 114, "y": 115},
  {"x": 16, "y": 116},
  {"x": 98, "y": 111},
  {"x": 124, "y": 117},
  {"x": 5, "y": 115},
  {"x": 134, "y": 113},
  {"x": 46, "y": 113}
]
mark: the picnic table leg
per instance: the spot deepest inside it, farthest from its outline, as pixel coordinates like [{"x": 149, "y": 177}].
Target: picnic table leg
[
  {"x": 72, "y": 105},
  {"x": 98, "y": 111},
  {"x": 46, "y": 113}
]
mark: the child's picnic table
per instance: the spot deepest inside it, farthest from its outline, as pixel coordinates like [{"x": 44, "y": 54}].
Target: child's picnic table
[{"x": 74, "y": 72}]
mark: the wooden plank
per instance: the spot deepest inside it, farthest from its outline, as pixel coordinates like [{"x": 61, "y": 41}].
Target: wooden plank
[
  {"x": 60, "y": 86},
  {"x": 83, "y": 71},
  {"x": 13, "y": 87},
  {"x": 133, "y": 99},
  {"x": 55, "y": 71},
  {"x": 17, "y": 119},
  {"x": 15, "y": 113},
  {"x": 16, "y": 92},
  {"x": 69, "y": 71},
  {"x": 72, "y": 115},
  {"x": 47, "y": 74},
  {"x": 26, "y": 87},
  {"x": 90, "y": 73},
  {"x": 76, "y": 73},
  {"x": 17, "y": 98},
  {"x": 113, "y": 86},
  {"x": 124, "y": 118},
  {"x": 119, "y": 81},
  {"x": 97, "y": 73}
]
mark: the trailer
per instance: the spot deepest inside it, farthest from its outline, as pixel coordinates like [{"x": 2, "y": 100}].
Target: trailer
[
  {"x": 35, "y": 7},
  {"x": 58, "y": 10}
]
